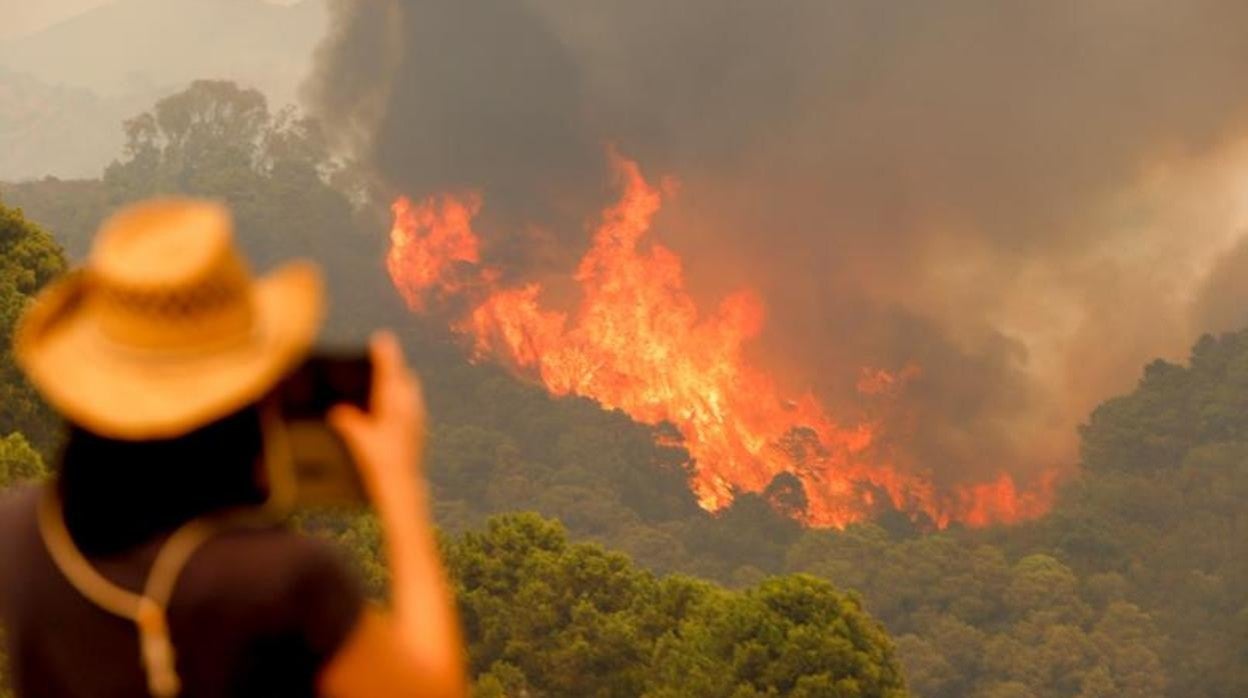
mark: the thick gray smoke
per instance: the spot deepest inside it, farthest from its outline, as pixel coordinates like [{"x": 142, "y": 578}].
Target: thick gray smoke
[{"x": 1024, "y": 199}]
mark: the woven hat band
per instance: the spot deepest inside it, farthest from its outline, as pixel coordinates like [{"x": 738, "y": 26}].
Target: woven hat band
[{"x": 210, "y": 310}]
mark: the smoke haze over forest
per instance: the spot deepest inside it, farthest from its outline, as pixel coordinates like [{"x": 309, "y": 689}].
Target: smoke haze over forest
[
  {"x": 993, "y": 193},
  {"x": 966, "y": 233}
]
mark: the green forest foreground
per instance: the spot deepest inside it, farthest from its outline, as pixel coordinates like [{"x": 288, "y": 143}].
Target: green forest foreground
[{"x": 1135, "y": 585}]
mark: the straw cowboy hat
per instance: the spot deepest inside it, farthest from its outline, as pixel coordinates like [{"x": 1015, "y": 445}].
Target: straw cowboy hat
[{"x": 164, "y": 330}]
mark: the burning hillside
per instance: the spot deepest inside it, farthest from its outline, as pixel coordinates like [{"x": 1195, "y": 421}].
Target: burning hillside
[
  {"x": 636, "y": 341},
  {"x": 960, "y": 202}
]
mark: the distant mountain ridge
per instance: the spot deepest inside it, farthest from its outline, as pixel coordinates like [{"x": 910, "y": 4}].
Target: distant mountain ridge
[
  {"x": 65, "y": 90},
  {"x": 132, "y": 46},
  {"x": 62, "y": 131}
]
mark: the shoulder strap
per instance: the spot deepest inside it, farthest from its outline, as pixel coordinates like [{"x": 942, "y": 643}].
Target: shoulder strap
[{"x": 147, "y": 610}]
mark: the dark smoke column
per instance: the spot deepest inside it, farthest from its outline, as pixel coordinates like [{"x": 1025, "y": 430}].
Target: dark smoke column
[{"x": 450, "y": 95}]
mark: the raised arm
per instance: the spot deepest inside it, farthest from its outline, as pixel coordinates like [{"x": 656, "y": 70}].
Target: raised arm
[{"x": 416, "y": 649}]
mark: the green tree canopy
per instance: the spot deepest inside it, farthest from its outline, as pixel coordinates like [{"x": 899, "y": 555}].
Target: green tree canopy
[
  {"x": 556, "y": 618},
  {"x": 19, "y": 462},
  {"x": 29, "y": 258},
  {"x": 289, "y": 195}
]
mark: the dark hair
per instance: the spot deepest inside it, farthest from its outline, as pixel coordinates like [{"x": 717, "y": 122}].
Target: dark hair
[{"x": 118, "y": 494}]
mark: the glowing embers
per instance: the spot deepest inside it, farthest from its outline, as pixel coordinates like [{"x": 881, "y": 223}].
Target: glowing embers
[{"x": 636, "y": 341}]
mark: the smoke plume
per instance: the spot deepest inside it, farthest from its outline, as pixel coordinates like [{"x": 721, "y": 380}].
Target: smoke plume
[{"x": 1027, "y": 201}]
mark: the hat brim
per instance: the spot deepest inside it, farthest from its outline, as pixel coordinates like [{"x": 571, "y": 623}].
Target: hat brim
[{"x": 123, "y": 394}]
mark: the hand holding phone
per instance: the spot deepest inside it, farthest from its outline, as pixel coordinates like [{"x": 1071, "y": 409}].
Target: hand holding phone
[
  {"x": 324, "y": 469},
  {"x": 388, "y": 439}
]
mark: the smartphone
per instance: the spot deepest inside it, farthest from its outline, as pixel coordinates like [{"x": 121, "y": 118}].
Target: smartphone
[{"x": 325, "y": 471}]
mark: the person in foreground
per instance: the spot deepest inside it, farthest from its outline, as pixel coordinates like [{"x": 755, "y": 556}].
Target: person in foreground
[{"x": 153, "y": 563}]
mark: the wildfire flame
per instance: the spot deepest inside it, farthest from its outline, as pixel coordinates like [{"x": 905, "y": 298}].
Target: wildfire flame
[
  {"x": 418, "y": 264},
  {"x": 637, "y": 342}
]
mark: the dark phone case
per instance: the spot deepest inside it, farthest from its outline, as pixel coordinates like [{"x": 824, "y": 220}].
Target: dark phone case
[{"x": 325, "y": 472}]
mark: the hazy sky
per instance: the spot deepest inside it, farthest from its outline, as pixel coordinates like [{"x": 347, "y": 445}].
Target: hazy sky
[
  {"x": 23, "y": 16},
  {"x": 26, "y": 16}
]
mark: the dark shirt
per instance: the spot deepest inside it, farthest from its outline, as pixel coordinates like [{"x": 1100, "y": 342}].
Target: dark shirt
[{"x": 254, "y": 613}]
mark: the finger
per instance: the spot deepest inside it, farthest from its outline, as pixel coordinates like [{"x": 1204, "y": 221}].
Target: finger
[
  {"x": 381, "y": 353},
  {"x": 349, "y": 422},
  {"x": 387, "y": 355},
  {"x": 396, "y": 387}
]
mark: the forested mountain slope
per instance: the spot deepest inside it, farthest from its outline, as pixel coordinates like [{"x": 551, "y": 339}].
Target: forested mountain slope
[
  {"x": 543, "y": 616},
  {"x": 1135, "y": 585}
]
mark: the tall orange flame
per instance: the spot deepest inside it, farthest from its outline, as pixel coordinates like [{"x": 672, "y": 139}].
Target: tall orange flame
[
  {"x": 637, "y": 342},
  {"x": 418, "y": 264}
]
